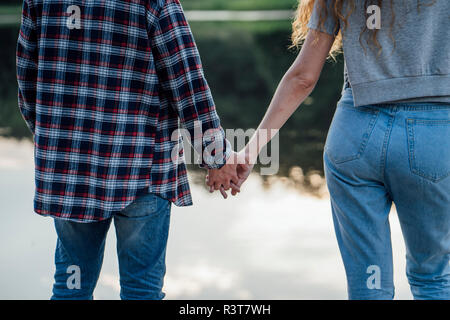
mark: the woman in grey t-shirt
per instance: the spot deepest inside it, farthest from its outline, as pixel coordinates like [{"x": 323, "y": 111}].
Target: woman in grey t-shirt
[{"x": 389, "y": 141}]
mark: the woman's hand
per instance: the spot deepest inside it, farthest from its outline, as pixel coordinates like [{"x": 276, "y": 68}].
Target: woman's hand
[
  {"x": 243, "y": 170},
  {"x": 232, "y": 175}
]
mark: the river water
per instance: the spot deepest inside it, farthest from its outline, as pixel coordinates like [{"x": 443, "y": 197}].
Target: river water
[{"x": 268, "y": 243}]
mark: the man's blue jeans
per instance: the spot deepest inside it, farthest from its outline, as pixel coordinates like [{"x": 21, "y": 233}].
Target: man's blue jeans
[
  {"x": 379, "y": 155},
  {"x": 142, "y": 231}
]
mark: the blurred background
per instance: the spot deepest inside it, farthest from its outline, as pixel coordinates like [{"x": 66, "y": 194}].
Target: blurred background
[{"x": 274, "y": 241}]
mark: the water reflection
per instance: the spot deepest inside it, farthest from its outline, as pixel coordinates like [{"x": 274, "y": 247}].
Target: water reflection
[
  {"x": 250, "y": 58},
  {"x": 268, "y": 243}
]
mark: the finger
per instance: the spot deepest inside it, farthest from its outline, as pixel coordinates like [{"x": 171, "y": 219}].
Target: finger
[
  {"x": 223, "y": 192},
  {"x": 217, "y": 186},
  {"x": 211, "y": 189},
  {"x": 235, "y": 178},
  {"x": 242, "y": 173},
  {"x": 240, "y": 182},
  {"x": 209, "y": 182},
  {"x": 226, "y": 185},
  {"x": 235, "y": 188}
]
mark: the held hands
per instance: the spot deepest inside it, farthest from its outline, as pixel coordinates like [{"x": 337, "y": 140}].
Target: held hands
[{"x": 231, "y": 176}]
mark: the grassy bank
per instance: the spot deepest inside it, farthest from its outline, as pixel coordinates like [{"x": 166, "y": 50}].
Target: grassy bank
[
  {"x": 211, "y": 28},
  {"x": 12, "y": 9},
  {"x": 238, "y": 4},
  {"x": 201, "y": 5}
]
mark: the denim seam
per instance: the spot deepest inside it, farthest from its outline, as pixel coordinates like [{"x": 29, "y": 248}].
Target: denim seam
[
  {"x": 429, "y": 122},
  {"x": 387, "y": 138},
  {"x": 419, "y": 107},
  {"x": 349, "y": 105},
  {"x": 410, "y": 131}
]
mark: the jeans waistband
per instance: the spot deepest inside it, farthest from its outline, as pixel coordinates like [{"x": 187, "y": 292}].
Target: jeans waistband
[{"x": 347, "y": 98}]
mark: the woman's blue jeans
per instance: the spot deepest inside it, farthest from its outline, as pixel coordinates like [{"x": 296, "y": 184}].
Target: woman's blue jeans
[
  {"x": 379, "y": 155},
  {"x": 142, "y": 230}
]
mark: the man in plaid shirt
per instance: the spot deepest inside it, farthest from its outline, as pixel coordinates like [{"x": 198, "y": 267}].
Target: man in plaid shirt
[{"x": 103, "y": 86}]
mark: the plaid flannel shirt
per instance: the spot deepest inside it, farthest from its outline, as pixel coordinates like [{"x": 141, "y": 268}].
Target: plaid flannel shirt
[{"x": 103, "y": 86}]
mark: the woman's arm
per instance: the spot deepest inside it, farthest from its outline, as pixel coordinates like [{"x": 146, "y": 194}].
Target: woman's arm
[{"x": 296, "y": 85}]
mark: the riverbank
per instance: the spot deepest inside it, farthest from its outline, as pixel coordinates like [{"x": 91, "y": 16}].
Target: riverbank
[
  {"x": 208, "y": 5},
  {"x": 11, "y": 15}
]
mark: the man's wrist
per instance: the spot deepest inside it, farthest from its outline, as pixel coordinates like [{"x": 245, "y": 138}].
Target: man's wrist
[{"x": 219, "y": 159}]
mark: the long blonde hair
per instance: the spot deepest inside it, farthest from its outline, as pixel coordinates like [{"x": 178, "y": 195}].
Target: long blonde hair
[{"x": 305, "y": 9}]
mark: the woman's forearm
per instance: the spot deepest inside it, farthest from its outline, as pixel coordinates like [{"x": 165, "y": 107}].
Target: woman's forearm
[
  {"x": 291, "y": 92},
  {"x": 296, "y": 85}
]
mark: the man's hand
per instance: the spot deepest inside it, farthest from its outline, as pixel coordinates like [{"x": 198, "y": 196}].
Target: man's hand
[
  {"x": 234, "y": 174},
  {"x": 224, "y": 178}
]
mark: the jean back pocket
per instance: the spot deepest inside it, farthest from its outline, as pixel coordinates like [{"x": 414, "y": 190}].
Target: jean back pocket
[
  {"x": 143, "y": 206},
  {"x": 429, "y": 148},
  {"x": 349, "y": 132}
]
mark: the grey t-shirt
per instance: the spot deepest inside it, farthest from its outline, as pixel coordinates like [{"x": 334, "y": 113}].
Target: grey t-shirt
[{"x": 414, "y": 67}]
